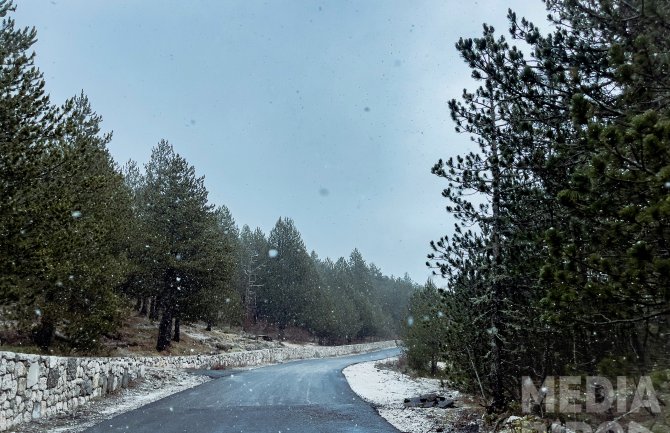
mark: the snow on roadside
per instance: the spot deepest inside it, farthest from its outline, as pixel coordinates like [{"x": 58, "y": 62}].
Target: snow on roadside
[
  {"x": 386, "y": 390},
  {"x": 157, "y": 384}
]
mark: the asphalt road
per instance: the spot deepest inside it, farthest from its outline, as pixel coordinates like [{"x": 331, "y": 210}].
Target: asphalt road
[{"x": 310, "y": 396}]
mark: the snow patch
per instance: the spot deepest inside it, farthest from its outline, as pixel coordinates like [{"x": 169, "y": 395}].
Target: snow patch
[{"x": 386, "y": 390}]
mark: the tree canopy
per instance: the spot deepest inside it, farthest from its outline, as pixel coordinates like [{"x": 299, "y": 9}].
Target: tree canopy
[{"x": 558, "y": 262}]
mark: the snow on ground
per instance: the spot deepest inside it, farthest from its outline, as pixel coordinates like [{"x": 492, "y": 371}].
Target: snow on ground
[
  {"x": 386, "y": 389},
  {"x": 157, "y": 384}
]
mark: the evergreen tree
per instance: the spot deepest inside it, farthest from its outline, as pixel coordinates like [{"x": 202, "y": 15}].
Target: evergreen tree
[
  {"x": 568, "y": 248},
  {"x": 424, "y": 330},
  {"x": 253, "y": 257},
  {"x": 218, "y": 301},
  {"x": 290, "y": 288},
  {"x": 608, "y": 270},
  {"x": 29, "y": 126},
  {"x": 83, "y": 236},
  {"x": 137, "y": 241},
  {"x": 179, "y": 223}
]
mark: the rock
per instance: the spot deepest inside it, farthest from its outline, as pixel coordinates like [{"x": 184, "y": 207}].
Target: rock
[
  {"x": 86, "y": 388},
  {"x": 19, "y": 369},
  {"x": 428, "y": 397},
  {"x": 52, "y": 378},
  {"x": 22, "y": 385},
  {"x": 473, "y": 427},
  {"x": 33, "y": 374},
  {"x": 446, "y": 403},
  {"x": 429, "y": 400},
  {"x": 111, "y": 383},
  {"x": 103, "y": 385},
  {"x": 412, "y": 402},
  {"x": 13, "y": 388},
  {"x": 71, "y": 369},
  {"x": 6, "y": 382}
]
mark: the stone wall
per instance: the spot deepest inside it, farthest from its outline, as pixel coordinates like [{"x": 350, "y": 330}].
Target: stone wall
[{"x": 34, "y": 386}]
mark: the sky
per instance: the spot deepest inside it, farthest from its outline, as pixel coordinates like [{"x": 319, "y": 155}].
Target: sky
[{"x": 331, "y": 113}]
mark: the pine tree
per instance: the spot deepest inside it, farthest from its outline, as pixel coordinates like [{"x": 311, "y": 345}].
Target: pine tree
[
  {"x": 29, "y": 125},
  {"x": 254, "y": 254},
  {"x": 179, "y": 222},
  {"x": 424, "y": 330},
  {"x": 289, "y": 288},
  {"x": 218, "y": 301},
  {"x": 609, "y": 268},
  {"x": 82, "y": 244},
  {"x": 570, "y": 248}
]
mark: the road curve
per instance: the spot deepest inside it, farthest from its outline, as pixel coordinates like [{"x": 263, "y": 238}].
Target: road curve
[{"x": 307, "y": 396}]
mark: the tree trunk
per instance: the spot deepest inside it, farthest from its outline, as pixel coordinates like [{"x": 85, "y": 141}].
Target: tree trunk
[
  {"x": 138, "y": 303},
  {"x": 164, "y": 329},
  {"x": 43, "y": 336},
  {"x": 145, "y": 309},
  {"x": 153, "y": 311},
  {"x": 177, "y": 322},
  {"x": 496, "y": 322}
]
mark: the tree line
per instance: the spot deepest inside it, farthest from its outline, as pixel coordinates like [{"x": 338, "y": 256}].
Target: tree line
[
  {"x": 84, "y": 242},
  {"x": 558, "y": 263}
]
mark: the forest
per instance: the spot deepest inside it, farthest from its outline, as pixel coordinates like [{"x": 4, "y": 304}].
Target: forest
[
  {"x": 559, "y": 263},
  {"x": 86, "y": 242}
]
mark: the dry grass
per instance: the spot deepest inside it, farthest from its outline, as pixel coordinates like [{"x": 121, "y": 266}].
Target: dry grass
[{"x": 137, "y": 337}]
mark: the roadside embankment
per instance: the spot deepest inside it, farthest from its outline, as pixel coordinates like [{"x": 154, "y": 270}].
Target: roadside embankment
[
  {"x": 387, "y": 390},
  {"x": 35, "y": 386}
]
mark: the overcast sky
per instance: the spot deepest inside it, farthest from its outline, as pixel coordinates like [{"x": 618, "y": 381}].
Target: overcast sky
[{"x": 328, "y": 112}]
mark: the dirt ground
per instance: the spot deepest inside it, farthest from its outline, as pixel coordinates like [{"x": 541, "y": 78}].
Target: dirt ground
[{"x": 137, "y": 337}]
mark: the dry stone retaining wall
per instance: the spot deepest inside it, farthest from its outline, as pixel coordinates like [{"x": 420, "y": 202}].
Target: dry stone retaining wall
[{"x": 35, "y": 386}]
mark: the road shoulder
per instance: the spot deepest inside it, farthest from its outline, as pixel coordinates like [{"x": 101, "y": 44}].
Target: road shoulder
[{"x": 386, "y": 389}]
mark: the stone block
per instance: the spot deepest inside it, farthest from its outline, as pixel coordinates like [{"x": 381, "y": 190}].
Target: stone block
[
  {"x": 52, "y": 378},
  {"x": 86, "y": 388},
  {"x": 19, "y": 369},
  {"x": 6, "y": 382},
  {"x": 71, "y": 369},
  {"x": 21, "y": 386},
  {"x": 33, "y": 376},
  {"x": 13, "y": 387}
]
